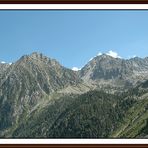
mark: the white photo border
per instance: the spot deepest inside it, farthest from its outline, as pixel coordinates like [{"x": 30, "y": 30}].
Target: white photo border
[{"x": 73, "y": 7}]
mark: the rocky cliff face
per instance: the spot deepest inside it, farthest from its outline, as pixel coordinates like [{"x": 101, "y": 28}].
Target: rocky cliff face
[
  {"x": 3, "y": 67},
  {"x": 106, "y": 70}
]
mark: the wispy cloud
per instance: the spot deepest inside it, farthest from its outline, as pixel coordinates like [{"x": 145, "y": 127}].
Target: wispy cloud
[
  {"x": 99, "y": 54},
  {"x": 3, "y": 62},
  {"x": 76, "y": 68},
  {"x": 113, "y": 54}
]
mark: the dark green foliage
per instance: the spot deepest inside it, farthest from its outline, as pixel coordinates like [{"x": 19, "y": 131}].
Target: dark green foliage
[
  {"x": 145, "y": 84},
  {"x": 145, "y": 129},
  {"x": 5, "y": 116},
  {"x": 91, "y": 115}
]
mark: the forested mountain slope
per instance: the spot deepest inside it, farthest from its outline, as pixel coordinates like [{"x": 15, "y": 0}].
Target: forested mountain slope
[
  {"x": 91, "y": 115},
  {"x": 107, "y": 98}
]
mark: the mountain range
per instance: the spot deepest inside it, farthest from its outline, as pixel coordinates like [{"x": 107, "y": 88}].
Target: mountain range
[{"x": 107, "y": 98}]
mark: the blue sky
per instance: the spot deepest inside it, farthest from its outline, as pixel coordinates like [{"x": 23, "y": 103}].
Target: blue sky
[{"x": 73, "y": 37}]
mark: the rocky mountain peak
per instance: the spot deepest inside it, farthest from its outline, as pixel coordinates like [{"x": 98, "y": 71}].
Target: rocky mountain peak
[
  {"x": 104, "y": 60},
  {"x": 37, "y": 55},
  {"x": 105, "y": 68},
  {"x": 104, "y": 56},
  {"x": 38, "y": 59}
]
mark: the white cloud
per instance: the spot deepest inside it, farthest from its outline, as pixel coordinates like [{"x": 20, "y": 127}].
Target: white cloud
[
  {"x": 3, "y": 62},
  {"x": 113, "y": 54},
  {"x": 99, "y": 54},
  {"x": 134, "y": 56},
  {"x": 76, "y": 68}
]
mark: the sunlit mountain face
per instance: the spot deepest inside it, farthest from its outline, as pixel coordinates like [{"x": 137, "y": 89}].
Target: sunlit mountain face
[{"x": 40, "y": 98}]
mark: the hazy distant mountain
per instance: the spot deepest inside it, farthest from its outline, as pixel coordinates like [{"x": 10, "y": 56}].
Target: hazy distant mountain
[{"x": 41, "y": 98}]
